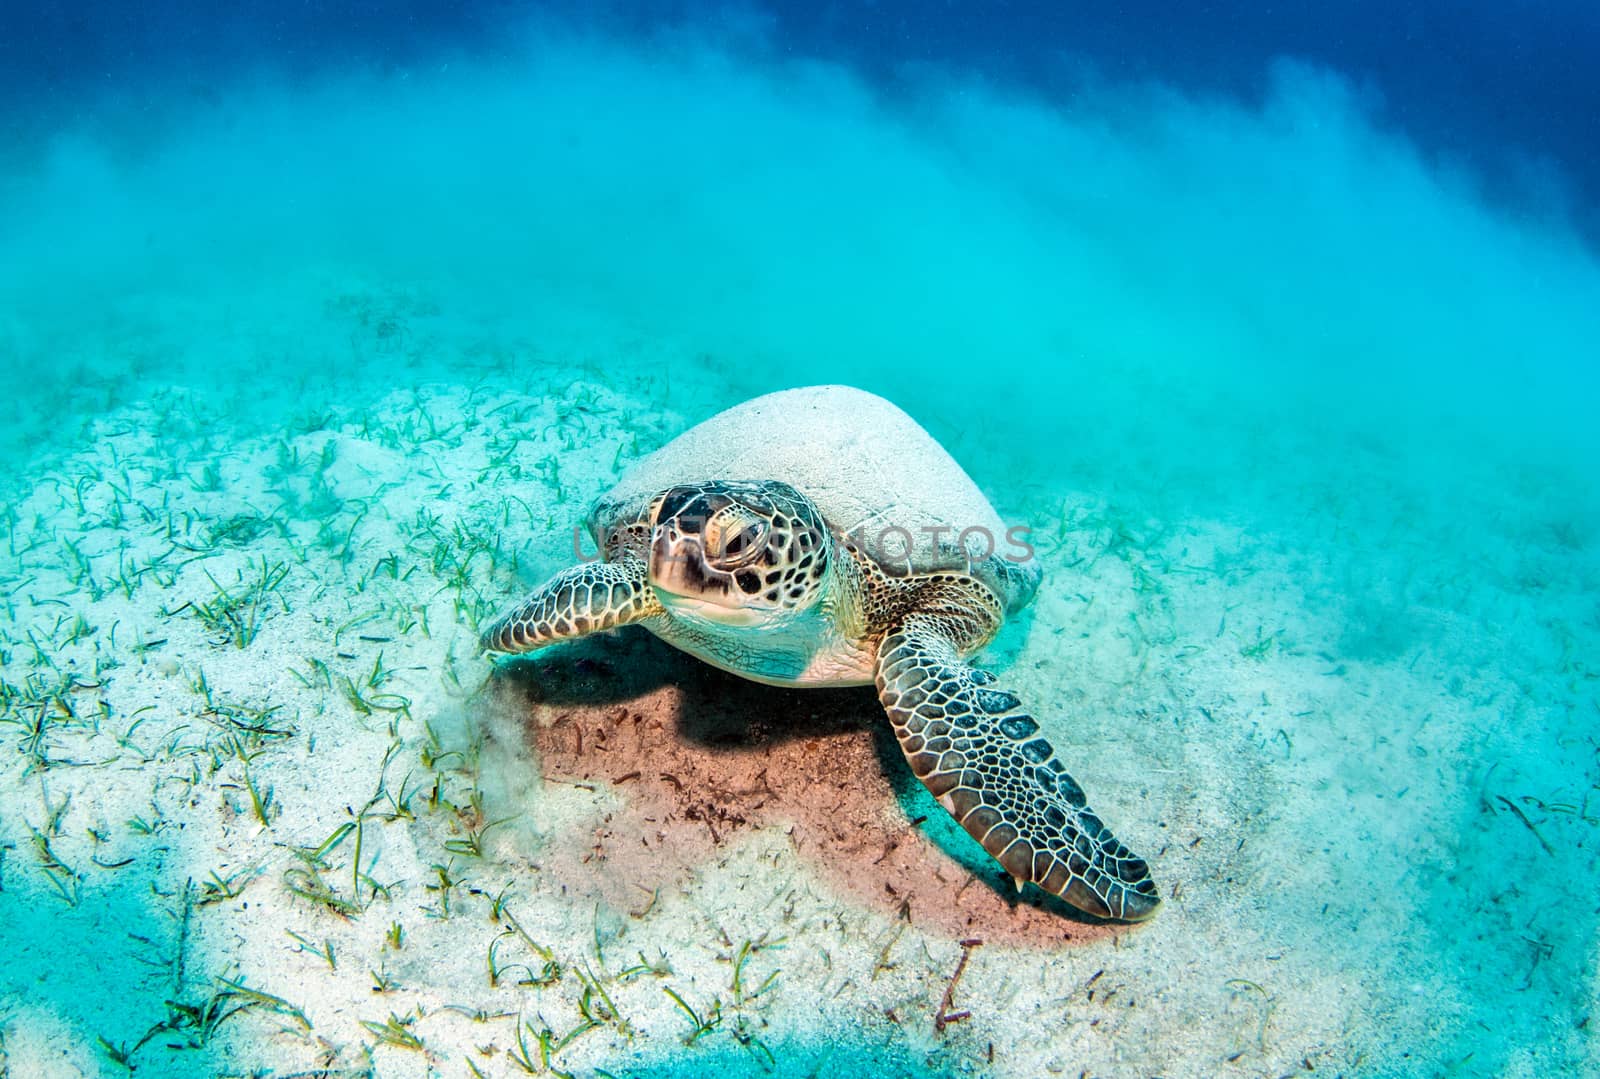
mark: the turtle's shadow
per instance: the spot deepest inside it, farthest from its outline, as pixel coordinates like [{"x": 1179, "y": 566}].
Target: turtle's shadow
[
  {"x": 718, "y": 710},
  {"x": 722, "y": 712}
]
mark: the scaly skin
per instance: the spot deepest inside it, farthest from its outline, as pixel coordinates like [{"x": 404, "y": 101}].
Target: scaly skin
[
  {"x": 579, "y": 600},
  {"x": 982, "y": 757}
]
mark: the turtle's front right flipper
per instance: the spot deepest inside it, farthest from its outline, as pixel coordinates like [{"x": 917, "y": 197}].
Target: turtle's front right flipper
[
  {"x": 581, "y": 599},
  {"x": 983, "y": 758}
]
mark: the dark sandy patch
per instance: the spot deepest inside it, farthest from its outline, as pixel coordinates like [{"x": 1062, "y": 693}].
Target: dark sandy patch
[{"x": 697, "y": 757}]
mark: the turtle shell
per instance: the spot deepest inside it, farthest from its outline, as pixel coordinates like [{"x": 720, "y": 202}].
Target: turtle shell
[{"x": 879, "y": 479}]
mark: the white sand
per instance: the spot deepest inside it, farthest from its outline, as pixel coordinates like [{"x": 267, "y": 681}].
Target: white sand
[{"x": 1334, "y": 763}]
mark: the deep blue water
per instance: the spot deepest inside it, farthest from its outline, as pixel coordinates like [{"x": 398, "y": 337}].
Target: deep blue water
[{"x": 1511, "y": 91}]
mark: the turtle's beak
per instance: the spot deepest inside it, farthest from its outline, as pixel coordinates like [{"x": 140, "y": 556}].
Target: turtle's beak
[
  {"x": 678, "y": 568},
  {"x": 688, "y": 587}
]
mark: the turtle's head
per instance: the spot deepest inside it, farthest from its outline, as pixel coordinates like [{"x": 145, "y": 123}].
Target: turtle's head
[{"x": 737, "y": 553}]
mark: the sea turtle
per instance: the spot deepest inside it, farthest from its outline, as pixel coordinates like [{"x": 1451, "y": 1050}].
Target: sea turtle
[{"x": 821, "y": 537}]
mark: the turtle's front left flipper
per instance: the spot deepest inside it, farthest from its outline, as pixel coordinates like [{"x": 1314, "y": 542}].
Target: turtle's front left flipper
[
  {"x": 581, "y": 599},
  {"x": 984, "y": 760}
]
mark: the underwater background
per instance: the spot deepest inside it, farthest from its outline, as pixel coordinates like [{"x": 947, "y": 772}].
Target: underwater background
[{"x": 322, "y": 325}]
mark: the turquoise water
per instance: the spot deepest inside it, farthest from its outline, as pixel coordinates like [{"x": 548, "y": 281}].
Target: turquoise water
[{"x": 321, "y": 367}]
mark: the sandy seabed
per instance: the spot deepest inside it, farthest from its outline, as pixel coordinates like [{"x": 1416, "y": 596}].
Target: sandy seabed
[{"x": 265, "y": 810}]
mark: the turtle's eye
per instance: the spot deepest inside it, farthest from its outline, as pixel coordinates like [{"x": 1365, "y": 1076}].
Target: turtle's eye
[{"x": 736, "y": 542}]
